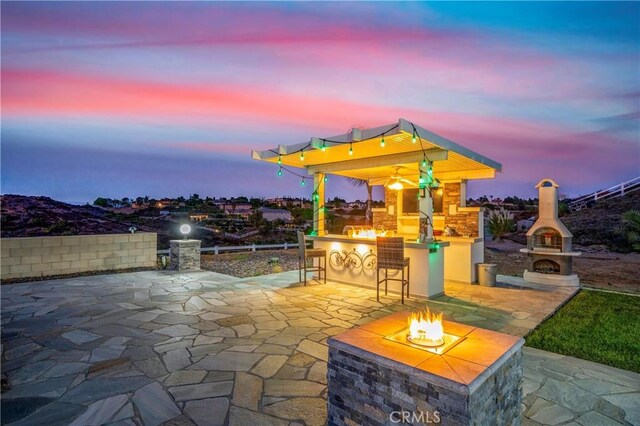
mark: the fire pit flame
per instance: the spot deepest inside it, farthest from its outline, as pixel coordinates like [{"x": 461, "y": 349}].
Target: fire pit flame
[{"x": 425, "y": 329}]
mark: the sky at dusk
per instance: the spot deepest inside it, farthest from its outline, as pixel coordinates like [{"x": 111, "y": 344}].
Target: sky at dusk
[{"x": 167, "y": 99}]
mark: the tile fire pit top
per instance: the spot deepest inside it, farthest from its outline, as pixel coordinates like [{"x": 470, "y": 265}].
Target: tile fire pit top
[{"x": 462, "y": 368}]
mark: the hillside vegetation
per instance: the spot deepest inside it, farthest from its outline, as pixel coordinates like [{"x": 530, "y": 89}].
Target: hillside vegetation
[
  {"x": 24, "y": 216},
  {"x": 602, "y": 223}
]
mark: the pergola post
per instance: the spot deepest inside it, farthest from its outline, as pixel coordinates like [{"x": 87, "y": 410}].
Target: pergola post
[
  {"x": 318, "y": 204},
  {"x": 425, "y": 203}
]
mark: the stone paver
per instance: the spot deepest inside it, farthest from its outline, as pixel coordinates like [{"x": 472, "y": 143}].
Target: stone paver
[
  {"x": 270, "y": 365},
  {"x": 247, "y": 391},
  {"x": 201, "y": 391},
  {"x": 203, "y": 348},
  {"x": 79, "y": 336},
  {"x": 101, "y": 412},
  {"x": 154, "y": 404},
  {"x": 208, "y": 412}
]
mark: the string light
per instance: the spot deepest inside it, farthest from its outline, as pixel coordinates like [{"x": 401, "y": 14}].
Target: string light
[
  {"x": 326, "y": 178},
  {"x": 279, "y": 159},
  {"x": 382, "y": 142},
  {"x": 302, "y": 182},
  {"x": 350, "y": 148},
  {"x": 413, "y": 138},
  {"x": 324, "y": 145},
  {"x": 280, "y": 171},
  {"x": 302, "y": 155},
  {"x": 424, "y": 161}
]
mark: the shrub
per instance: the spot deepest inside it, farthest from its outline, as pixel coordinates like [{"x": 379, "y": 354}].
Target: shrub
[
  {"x": 631, "y": 228},
  {"x": 500, "y": 222}
]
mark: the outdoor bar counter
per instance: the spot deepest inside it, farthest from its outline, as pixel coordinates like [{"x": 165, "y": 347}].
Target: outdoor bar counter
[{"x": 352, "y": 260}]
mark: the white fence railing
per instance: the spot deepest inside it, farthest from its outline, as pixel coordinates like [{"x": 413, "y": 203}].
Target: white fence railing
[
  {"x": 603, "y": 194},
  {"x": 252, "y": 247}
]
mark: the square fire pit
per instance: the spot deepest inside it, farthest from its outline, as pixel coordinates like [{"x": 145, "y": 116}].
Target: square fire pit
[{"x": 377, "y": 376}]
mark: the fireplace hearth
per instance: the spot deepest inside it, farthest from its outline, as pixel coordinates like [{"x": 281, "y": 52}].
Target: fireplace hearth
[{"x": 549, "y": 242}]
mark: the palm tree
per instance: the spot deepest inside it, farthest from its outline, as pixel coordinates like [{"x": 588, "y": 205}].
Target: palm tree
[{"x": 359, "y": 183}]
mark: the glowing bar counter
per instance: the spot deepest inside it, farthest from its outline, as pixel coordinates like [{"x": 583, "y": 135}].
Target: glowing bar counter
[{"x": 353, "y": 261}]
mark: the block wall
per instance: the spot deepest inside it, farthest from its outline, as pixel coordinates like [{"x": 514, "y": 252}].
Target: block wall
[{"x": 44, "y": 256}]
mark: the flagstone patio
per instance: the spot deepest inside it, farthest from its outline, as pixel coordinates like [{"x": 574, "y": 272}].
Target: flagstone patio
[{"x": 203, "y": 348}]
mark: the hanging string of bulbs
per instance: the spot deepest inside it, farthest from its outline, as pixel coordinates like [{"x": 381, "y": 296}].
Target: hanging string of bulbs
[{"x": 426, "y": 166}]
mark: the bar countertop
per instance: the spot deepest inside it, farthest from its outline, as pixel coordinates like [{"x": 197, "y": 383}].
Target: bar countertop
[{"x": 409, "y": 242}]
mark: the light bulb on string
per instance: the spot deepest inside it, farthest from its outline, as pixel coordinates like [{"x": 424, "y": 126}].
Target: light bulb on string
[
  {"x": 326, "y": 178},
  {"x": 280, "y": 171},
  {"x": 350, "y": 148},
  {"x": 302, "y": 155},
  {"x": 382, "y": 142},
  {"x": 424, "y": 162},
  {"x": 279, "y": 159},
  {"x": 324, "y": 145},
  {"x": 302, "y": 182},
  {"x": 413, "y": 138}
]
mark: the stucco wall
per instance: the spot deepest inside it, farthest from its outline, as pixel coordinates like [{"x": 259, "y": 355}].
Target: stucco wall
[{"x": 43, "y": 256}]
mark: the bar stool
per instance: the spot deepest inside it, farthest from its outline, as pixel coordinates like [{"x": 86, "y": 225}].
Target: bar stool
[
  {"x": 390, "y": 252},
  {"x": 304, "y": 254}
]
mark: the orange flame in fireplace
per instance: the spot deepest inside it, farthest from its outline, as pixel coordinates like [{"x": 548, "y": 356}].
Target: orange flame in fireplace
[{"x": 426, "y": 327}]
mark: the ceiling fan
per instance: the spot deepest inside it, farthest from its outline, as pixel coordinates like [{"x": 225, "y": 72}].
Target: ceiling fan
[{"x": 397, "y": 182}]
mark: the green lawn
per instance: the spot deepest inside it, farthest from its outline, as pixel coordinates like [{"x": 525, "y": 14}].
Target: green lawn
[{"x": 596, "y": 326}]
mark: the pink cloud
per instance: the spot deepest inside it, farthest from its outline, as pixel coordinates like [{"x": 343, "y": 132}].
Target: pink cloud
[{"x": 31, "y": 92}]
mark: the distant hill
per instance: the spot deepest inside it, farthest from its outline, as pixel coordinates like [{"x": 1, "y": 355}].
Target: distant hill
[{"x": 24, "y": 216}]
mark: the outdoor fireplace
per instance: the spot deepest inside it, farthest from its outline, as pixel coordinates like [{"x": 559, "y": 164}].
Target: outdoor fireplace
[
  {"x": 549, "y": 242},
  {"x": 427, "y": 370}
]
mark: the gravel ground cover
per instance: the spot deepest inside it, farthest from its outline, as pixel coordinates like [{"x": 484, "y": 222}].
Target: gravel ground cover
[{"x": 251, "y": 264}]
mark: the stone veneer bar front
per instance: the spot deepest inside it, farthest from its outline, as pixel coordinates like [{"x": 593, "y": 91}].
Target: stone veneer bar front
[{"x": 376, "y": 381}]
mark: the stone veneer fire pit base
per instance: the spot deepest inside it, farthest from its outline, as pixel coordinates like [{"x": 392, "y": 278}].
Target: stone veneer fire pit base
[{"x": 376, "y": 381}]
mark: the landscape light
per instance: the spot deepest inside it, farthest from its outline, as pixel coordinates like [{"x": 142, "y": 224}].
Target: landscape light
[{"x": 184, "y": 230}]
